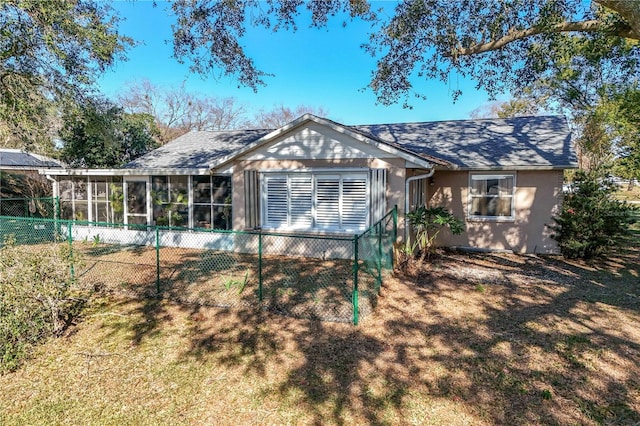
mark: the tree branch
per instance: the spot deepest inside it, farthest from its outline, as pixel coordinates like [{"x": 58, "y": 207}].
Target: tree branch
[
  {"x": 514, "y": 35},
  {"x": 629, "y": 10}
]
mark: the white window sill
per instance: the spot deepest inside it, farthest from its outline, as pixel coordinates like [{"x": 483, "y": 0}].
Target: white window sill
[{"x": 491, "y": 219}]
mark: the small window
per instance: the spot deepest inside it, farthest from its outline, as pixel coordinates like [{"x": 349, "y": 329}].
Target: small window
[{"x": 491, "y": 196}]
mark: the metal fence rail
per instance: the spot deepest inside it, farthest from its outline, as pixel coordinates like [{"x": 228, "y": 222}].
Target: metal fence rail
[{"x": 331, "y": 278}]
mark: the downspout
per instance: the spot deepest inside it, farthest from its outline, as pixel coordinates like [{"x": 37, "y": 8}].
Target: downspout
[
  {"x": 56, "y": 190},
  {"x": 406, "y": 199}
]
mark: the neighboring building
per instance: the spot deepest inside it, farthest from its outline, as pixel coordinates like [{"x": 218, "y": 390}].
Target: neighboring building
[
  {"x": 19, "y": 180},
  {"x": 16, "y": 160},
  {"x": 502, "y": 176}
]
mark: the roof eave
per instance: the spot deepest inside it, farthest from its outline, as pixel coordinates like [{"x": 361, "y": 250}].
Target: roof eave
[
  {"x": 125, "y": 172},
  {"x": 515, "y": 168}
]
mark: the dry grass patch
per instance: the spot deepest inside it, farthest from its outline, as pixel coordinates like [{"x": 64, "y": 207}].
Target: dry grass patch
[
  {"x": 467, "y": 339},
  {"x": 296, "y": 286}
]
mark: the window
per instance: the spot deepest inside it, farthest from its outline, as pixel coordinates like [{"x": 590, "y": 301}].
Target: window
[
  {"x": 95, "y": 199},
  {"x": 106, "y": 200},
  {"x": 170, "y": 200},
  {"x": 315, "y": 201},
  {"x": 136, "y": 201},
  {"x": 212, "y": 202},
  {"x": 491, "y": 196}
]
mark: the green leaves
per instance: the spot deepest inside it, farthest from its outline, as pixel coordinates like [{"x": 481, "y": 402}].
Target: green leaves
[
  {"x": 100, "y": 134},
  {"x": 37, "y": 299},
  {"x": 504, "y": 46},
  {"x": 50, "y": 53},
  {"x": 591, "y": 222},
  {"x": 427, "y": 223}
]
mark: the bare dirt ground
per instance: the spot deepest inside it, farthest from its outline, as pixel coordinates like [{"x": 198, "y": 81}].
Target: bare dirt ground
[
  {"x": 466, "y": 339},
  {"x": 526, "y": 339}
]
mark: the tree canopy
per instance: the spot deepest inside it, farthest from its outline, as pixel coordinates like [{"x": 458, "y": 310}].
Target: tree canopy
[
  {"x": 281, "y": 115},
  {"x": 50, "y": 53},
  {"x": 177, "y": 111},
  {"x": 502, "y": 45},
  {"x": 99, "y": 133}
]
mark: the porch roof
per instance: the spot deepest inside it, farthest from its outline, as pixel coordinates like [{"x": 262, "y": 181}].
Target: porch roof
[{"x": 196, "y": 149}]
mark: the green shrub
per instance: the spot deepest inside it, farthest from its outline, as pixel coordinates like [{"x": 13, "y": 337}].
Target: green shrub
[
  {"x": 37, "y": 299},
  {"x": 592, "y": 222},
  {"x": 428, "y": 223}
]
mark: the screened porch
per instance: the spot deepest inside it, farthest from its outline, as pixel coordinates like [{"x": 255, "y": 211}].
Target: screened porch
[{"x": 189, "y": 201}]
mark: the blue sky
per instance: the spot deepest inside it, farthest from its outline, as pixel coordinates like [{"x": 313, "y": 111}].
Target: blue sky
[{"x": 315, "y": 67}]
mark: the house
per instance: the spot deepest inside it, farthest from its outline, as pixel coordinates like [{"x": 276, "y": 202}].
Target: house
[
  {"x": 20, "y": 161},
  {"x": 313, "y": 175},
  {"x": 19, "y": 179}
]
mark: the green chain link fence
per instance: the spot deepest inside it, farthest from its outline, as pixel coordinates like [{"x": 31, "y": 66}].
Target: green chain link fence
[
  {"x": 28, "y": 207},
  {"x": 321, "y": 277}
]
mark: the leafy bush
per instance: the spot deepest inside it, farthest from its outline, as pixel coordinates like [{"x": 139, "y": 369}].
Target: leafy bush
[
  {"x": 37, "y": 299},
  {"x": 592, "y": 222},
  {"x": 428, "y": 223}
]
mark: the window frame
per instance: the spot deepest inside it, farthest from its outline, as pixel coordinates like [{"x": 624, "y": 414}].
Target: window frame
[
  {"x": 213, "y": 206},
  {"x": 165, "y": 190},
  {"x": 341, "y": 176},
  {"x": 488, "y": 176},
  {"x": 87, "y": 208}
]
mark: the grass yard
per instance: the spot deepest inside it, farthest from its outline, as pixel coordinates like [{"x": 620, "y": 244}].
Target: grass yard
[
  {"x": 632, "y": 196},
  {"x": 467, "y": 339}
]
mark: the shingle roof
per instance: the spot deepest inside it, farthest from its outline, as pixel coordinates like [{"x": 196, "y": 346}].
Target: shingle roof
[
  {"x": 485, "y": 143},
  {"x": 197, "y": 149},
  {"x": 17, "y": 159},
  {"x": 475, "y": 144}
]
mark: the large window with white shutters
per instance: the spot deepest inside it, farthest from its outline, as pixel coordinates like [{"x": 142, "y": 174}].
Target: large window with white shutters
[{"x": 323, "y": 201}]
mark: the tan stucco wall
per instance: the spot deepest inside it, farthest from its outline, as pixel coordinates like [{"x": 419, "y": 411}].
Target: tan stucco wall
[
  {"x": 395, "y": 177},
  {"x": 538, "y": 195},
  {"x": 537, "y": 198},
  {"x": 313, "y": 146}
]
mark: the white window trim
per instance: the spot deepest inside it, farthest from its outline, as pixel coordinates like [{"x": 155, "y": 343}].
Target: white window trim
[
  {"x": 495, "y": 175},
  {"x": 314, "y": 173},
  {"x": 192, "y": 203}
]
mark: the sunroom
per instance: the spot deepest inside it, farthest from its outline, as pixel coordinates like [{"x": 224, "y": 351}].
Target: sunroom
[{"x": 116, "y": 196}]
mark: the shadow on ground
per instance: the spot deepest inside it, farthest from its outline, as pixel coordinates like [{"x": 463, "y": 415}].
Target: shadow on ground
[{"x": 493, "y": 339}]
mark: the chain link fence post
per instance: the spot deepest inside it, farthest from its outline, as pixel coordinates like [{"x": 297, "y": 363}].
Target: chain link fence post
[
  {"x": 158, "y": 261},
  {"x": 260, "y": 265},
  {"x": 379, "y": 256},
  {"x": 70, "y": 241},
  {"x": 354, "y": 299},
  {"x": 395, "y": 223},
  {"x": 57, "y": 217}
]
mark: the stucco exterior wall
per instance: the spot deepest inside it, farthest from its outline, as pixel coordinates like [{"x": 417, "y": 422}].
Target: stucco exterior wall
[
  {"x": 538, "y": 195},
  {"x": 394, "y": 166},
  {"x": 314, "y": 146}
]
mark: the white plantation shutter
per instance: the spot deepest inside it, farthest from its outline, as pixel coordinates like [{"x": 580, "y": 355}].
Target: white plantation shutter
[
  {"x": 300, "y": 201},
  {"x": 277, "y": 196},
  {"x": 377, "y": 194},
  {"x": 251, "y": 199},
  {"x": 321, "y": 201},
  {"x": 354, "y": 202},
  {"x": 327, "y": 201}
]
